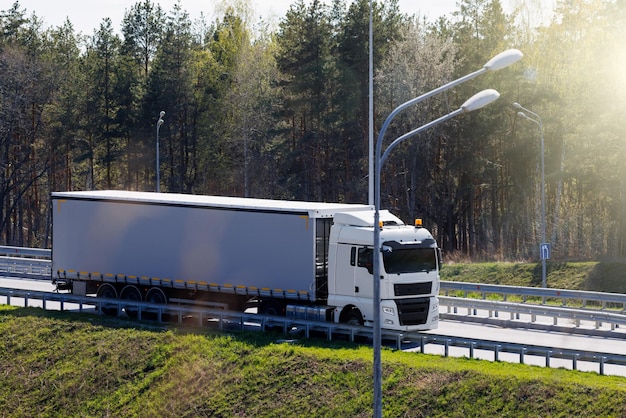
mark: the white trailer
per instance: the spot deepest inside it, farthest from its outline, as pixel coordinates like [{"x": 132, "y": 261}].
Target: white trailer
[{"x": 304, "y": 259}]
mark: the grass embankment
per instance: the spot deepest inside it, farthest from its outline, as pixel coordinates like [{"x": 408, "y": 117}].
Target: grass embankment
[
  {"x": 60, "y": 364},
  {"x": 596, "y": 276}
]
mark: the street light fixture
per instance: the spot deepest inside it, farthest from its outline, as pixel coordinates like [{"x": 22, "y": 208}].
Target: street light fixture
[
  {"x": 158, "y": 165},
  {"x": 476, "y": 102},
  {"x": 537, "y": 120},
  {"x": 498, "y": 62}
]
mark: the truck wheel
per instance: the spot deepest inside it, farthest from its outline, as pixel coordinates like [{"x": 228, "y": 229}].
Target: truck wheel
[
  {"x": 354, "y": 318},
  {"x": 157, "y": 296},
  {"x": 106, "y": 291},
  {"x": 133, "y": 294},
  {"x": 271, "y": 307}
]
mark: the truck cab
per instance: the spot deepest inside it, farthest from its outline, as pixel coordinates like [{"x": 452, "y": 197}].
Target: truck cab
[{"x": 410, "y": 261}]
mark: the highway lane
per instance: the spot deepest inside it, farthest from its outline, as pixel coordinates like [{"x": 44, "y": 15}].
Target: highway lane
[
  {"x": 452, "y": 329},
  {"x": 530, "y": 337}
]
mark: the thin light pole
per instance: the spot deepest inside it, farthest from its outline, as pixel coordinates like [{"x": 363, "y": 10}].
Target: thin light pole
[
  {"x": 370, "y": 192},
  {"x": 475, "y": 102},
  {"x": 537, "y": 120},
  {"x": 158, "y": 165},
  {"x": 498, "y": 62}
]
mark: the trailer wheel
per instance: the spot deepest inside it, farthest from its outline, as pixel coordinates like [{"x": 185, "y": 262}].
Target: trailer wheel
[
  {"x": 157, "y": 296},
  {"x": 107, "y": 291},
  {"x": 133, "y": 294}
]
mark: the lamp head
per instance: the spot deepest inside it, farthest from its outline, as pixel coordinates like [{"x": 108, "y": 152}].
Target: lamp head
[
  {"x": 162, "y": 113},
  {"x": 503, "y": 59},
  {"x": 479, "y": 100}
]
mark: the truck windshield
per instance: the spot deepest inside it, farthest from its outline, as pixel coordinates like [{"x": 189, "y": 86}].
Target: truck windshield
[{"x": 409, "y": 260}]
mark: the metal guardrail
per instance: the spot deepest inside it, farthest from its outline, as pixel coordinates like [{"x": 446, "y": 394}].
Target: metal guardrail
[
  {"x": 227, "y": 320},
  {"x": 31, "y": 268},
  {"x": 493, "y": 308},
  {"x": 25, "y": 252},
  {"x": 600, "y": 298}
]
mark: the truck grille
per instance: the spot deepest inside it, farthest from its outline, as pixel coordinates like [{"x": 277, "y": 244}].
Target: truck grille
[
  {"x": 410, "y": 289},
  {"x": 413, "y": 311}
]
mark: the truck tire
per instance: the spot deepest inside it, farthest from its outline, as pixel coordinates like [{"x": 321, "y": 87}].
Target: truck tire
[
  {"x": 157, "y": 296},
  {"x": 353, "y": 317},
  {"x": 107, "y": 291},
  {"x": 272, "y": 307},
  {"x": 131, "y": 293}
]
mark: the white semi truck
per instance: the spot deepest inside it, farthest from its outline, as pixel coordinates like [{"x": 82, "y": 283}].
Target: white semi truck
[{"x": 302, "y": 259}]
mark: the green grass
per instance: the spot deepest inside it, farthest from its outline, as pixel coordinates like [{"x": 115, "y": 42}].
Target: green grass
[
  {"x": 69, "y": 365},
  {"x": 561, "y": 275}
]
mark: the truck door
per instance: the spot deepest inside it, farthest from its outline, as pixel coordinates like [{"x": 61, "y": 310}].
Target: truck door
[
  {"x": 362, "y": 262},
  {"x": 344, "y": 271}
]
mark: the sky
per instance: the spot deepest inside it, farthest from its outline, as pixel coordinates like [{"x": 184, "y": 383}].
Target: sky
[{"x": 86, "y": 15}]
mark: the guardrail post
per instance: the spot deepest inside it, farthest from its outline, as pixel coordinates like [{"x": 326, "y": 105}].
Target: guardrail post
[
  {"x": 43, "y": 303},
  {"x": 575, "y": 361},
  {"x": 522, "y": 351},
  {"x": 422, "y": 345},
  {"x": 62, "y": 303},
  {"x": 602, "y": 360},
  {"x": 26, "y": 296},
  {"x": 548, "y": 355},
  {"x": 471, "y": 349},
  {"x": 446, "y": 346},
  {"x": 496, "y": 352}
]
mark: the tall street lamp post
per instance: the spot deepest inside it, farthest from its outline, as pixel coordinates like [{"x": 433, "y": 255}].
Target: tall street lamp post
[
  {"x": 475, "y": 102},
  {"x": 544, "y": 247},
  {"x": 158, "y": 165},
  {"x": 500, "y": 61}
]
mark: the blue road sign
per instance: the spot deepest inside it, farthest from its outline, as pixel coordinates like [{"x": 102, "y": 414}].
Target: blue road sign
[{"x": 544, "y": 250}]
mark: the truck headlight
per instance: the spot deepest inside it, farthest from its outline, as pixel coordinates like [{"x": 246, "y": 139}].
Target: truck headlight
[{"x": 389, "y": 310}]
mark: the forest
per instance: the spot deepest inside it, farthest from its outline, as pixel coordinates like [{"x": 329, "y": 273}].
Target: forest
[{"x": 280, "y": 110}]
